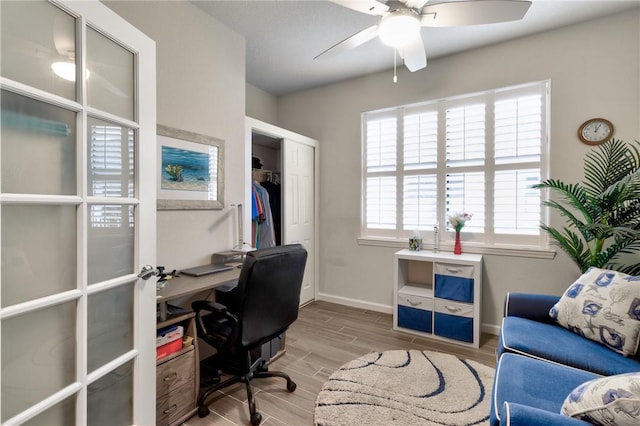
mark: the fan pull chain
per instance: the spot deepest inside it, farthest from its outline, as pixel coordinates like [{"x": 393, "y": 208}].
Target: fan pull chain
[{"x": 395, "y": 57}]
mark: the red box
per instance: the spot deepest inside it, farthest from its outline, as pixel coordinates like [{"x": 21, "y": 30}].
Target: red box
[{"x": 168, "y": 349}]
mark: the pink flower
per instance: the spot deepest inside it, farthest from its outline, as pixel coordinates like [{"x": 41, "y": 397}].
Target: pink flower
[{"x": 459, "y": 219}]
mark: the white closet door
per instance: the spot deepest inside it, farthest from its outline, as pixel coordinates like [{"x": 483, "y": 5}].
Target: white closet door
[
  {"x": 299, "y": 209},
  {"x": 77, "y": 209}
]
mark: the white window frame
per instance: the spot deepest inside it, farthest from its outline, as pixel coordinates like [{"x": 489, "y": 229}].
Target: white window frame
[{"x": 488, "y": 242}]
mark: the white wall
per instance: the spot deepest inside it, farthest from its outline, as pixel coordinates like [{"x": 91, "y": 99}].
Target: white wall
[
  {"x": 261, "y": 105},
  {"x": 583, "y": 86},
  {"x": 200, "y": 88}
]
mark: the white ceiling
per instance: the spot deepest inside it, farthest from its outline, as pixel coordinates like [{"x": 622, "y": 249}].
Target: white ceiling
[{"x": 283, "y": 37}]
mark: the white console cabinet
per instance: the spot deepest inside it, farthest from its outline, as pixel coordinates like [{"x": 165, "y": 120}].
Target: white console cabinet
[{"x": 437, "y": 295}]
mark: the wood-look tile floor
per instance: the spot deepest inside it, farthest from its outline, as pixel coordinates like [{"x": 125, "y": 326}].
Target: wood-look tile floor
[{"x": 324, "y": 337}]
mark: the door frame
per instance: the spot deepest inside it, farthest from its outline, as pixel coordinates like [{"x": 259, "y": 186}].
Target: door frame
[{"x": 253, "y": 125}]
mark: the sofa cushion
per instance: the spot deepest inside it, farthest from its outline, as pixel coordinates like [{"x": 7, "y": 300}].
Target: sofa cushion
[
  {"x": 603, "y": 306},
  {"x": 532, "y": 382},
  {"x": 556, "y": 344},
  {"x": 605, "y": 401},
  {"x": 513, "y": 414}
]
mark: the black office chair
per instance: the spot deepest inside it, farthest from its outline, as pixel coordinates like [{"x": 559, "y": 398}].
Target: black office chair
[{"x": 260, "y": 309}]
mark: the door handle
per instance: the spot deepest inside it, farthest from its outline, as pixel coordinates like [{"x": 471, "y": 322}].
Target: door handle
[{"x": 147, "y": 272}]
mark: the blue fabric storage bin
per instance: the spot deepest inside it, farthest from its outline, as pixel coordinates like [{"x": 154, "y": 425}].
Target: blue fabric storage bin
[
  {"x": 454, "y": 288},
  {"x": 414, "y": 319},
  {"x": 453, "y": 327}
]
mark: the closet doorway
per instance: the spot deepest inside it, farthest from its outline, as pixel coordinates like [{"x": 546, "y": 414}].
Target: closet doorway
[{"x": 283, "y": 166}]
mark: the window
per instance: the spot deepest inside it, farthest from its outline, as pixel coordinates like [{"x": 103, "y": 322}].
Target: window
[{"x": 478, "y": 154}]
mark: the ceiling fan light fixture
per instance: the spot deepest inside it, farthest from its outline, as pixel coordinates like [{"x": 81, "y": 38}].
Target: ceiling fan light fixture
[
  {"x": 399, "y": 27},
  {"x": 65, "y": 70}
]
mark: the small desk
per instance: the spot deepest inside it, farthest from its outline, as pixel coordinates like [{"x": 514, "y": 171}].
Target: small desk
[
  {"x": 178, "y": 374},
  {"x": 185, "y": 285}
]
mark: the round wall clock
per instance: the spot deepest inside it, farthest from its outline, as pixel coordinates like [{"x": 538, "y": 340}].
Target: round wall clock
[{"x": 595, "y": 131}]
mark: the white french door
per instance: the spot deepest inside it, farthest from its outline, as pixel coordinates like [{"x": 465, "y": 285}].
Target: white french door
[{"x": 77, "y": 216}]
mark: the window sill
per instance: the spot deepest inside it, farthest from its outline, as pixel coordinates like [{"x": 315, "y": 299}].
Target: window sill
[{"x": 497, "y": 250}]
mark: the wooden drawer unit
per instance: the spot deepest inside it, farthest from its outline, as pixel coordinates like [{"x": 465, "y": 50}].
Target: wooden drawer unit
[
  {"x": 438, "y": 295},
  {"x": 174, "y": 373},
  {"x": 177, "y": 379},
  {"x": 175, "y": 388}
]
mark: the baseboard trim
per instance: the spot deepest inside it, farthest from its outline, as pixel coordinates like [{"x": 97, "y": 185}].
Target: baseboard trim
[
  {"x": 355, "y": 303},
  {"x": 491, "y": 329}
]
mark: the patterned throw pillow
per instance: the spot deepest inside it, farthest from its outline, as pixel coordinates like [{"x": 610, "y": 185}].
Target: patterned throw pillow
[
  {"x": 613, "y": 400},
  {"x": 603, "y": 306}
]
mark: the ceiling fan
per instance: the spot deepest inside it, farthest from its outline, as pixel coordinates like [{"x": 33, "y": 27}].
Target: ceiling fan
[{"x": 400, "y": 22}]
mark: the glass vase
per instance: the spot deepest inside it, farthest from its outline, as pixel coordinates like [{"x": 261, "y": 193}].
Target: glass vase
[{"x": 457, "y": 249}]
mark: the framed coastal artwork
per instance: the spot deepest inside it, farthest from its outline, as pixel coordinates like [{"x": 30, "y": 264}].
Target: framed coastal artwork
[{"x": 190, "y": 170}]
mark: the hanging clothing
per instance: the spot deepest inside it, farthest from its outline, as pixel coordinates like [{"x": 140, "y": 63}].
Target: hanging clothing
[
  {"x": 275, "y": 201},
  {"x": 263, "y": 230}
]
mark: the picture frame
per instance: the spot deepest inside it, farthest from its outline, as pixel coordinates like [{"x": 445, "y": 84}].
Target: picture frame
[{"x": 190, "y": 170}]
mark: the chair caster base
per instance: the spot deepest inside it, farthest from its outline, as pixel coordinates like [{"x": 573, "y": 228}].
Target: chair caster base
[
  {"x": 291, "y": 386},
  {"x": 256, "y": 418},
  {"x": 203, "y": 411}
]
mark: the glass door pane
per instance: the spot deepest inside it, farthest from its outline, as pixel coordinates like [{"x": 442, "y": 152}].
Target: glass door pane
[
  {"x": 110, "y": 325},
  {"x": 38, "y": 356},
  {"x": 110, "y": 83},
  {"x": 111, "y": 159},
  {"x": 110, "y": 245},
  {"x": 39, "y": 251},
  {"x": 63, "y": 413},
  {"x": 113, "y": 390},
  {"x": 38, "y": 45},
  {"x": 38, "y": 147}
]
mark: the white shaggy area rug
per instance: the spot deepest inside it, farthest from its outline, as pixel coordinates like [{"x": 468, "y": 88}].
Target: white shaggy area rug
[{"x": 406, "y": 388}]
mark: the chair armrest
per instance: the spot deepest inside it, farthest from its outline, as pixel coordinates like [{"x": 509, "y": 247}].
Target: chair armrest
[
  {"x": 531, "y": 306},
  {"x": 209, "y": 306},
  {"x": 513, "y": 414},
  {"x": 219, "y": 316}
]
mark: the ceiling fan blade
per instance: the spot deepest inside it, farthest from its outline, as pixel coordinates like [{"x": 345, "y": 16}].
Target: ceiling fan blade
[
  {"x": 414, "y": 56},
  {"x": 371, "y": 7},
  {"x": 415, "y": 4},
  {"x": 64, "y": 39},
  {"x": 350, "y": 42},
  {"x": 473, "y": 12}
]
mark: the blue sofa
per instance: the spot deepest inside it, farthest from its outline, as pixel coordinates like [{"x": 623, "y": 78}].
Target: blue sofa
[{"x": 535, "y": 373}]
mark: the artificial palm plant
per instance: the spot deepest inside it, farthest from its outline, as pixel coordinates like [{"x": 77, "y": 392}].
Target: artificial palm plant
[{"x": 603, "y": 212}]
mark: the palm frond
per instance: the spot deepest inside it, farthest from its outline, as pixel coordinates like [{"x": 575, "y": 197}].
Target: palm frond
[
  {"x": 607, "y": 165},
  {"x": 574, "y": 194},
  {"x": 627, "y": 215},
  {"x": 603, "y": 212},
  {"x": 568, "y": 214},
  {"x": 571, "y": 244},
  {"x": 631, "y": 269}
]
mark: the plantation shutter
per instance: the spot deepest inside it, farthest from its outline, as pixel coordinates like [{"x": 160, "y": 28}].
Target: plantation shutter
[
  {"x": 465, "y": 158},
  {"x": 519, "y": 131},
  {"x": 381, "y": 200},
  {"x": 420, "y": 159},
  {"x": 479, "y": 154}
]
